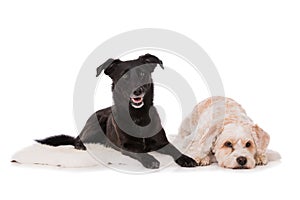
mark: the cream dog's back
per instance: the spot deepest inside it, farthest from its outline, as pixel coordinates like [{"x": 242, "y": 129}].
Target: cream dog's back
[{"x": 213, "y": 110}]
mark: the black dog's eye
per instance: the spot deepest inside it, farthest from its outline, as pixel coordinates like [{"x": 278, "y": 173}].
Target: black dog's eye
[
  {"x": 142, "y": 74},
  {"x": 248, "y": 144},
  {"x": 125, "y": 76},
  {"x": 228, "y": 144}
]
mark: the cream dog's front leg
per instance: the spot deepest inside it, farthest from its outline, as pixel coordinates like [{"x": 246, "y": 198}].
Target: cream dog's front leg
[{"x": 201, "y": 145}]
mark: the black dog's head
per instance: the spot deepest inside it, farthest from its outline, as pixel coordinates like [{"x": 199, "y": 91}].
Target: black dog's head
[{"x": 132, "y": 82}]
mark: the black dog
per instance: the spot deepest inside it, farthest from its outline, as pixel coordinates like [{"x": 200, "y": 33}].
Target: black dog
[{"x": 132, "y": 125}]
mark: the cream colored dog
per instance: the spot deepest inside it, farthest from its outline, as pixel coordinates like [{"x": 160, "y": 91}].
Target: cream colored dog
[{"x": 219, "y": 129}]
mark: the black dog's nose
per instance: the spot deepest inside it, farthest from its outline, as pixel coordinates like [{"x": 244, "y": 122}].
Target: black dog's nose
[
  {"x": 138, "y": 91},
  {"x": 241, "y": 160}
]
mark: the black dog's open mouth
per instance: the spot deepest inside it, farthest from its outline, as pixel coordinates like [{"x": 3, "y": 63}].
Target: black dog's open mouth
[{"x": 137, "y": 101}]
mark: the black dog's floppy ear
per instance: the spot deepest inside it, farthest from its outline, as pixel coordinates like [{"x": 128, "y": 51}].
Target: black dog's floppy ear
[
  {"x": 105, "y": 66},
  {"x": 148, "y": 58}
]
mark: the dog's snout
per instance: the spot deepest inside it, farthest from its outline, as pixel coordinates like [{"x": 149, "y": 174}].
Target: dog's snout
[
  {"x": 241, "y": 160},
  {"x": 138, "y": 91}
]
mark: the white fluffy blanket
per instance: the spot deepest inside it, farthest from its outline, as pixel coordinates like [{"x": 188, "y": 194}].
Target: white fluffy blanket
[
  {"x": 67, "y": 156},
  {"x": 96, "y": 155}
]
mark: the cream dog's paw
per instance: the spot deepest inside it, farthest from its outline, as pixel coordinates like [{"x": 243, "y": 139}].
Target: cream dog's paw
[
  {"x": 203, "y": 161},
  {"x": 261, "y": 159}
]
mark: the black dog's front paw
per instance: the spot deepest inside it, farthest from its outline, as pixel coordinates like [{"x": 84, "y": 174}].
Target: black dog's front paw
[
  {"x": 150, "y": 162},
  {"x": 185, "y": 161}
]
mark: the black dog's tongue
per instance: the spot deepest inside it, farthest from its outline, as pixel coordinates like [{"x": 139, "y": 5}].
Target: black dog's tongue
[{"x": 137, "y": 99}]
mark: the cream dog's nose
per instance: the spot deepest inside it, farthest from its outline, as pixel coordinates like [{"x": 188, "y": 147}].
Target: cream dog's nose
[{"x": 241, "y": 160}]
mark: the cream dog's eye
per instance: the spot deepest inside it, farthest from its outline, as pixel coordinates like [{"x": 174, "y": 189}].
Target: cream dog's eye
[
  {"x": 228, "y": 144},
  {"x": 248, "y": 144}
]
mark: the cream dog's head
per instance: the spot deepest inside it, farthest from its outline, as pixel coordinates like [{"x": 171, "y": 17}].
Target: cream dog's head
[{"x": 238, "y": 145}]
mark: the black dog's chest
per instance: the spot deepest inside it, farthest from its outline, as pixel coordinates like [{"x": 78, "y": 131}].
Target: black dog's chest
[
  {"x": 140, "y": 117},
  {"x": 141, "y": 122},
  {"x": 138, "y": 145}
]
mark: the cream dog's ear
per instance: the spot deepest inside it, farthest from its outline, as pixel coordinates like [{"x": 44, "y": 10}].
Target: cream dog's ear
[{"x": 261, "y": 139}]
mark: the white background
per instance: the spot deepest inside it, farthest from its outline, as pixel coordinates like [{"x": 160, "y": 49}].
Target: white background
[{"x": 255, "y": 46}]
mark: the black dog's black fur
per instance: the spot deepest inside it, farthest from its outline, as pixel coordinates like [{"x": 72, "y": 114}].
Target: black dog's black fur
[
  {"x": 58, "y": 140},
  {"x": 134, "y": 140}
]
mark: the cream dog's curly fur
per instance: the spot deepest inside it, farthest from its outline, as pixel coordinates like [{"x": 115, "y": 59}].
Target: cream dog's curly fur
[{"x": 219, "y": 129}]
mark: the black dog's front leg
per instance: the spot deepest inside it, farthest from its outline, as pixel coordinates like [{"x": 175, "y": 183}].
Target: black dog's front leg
[
  {"x": 180, "y": 159},
  {"x": 147, "y": 160}
]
